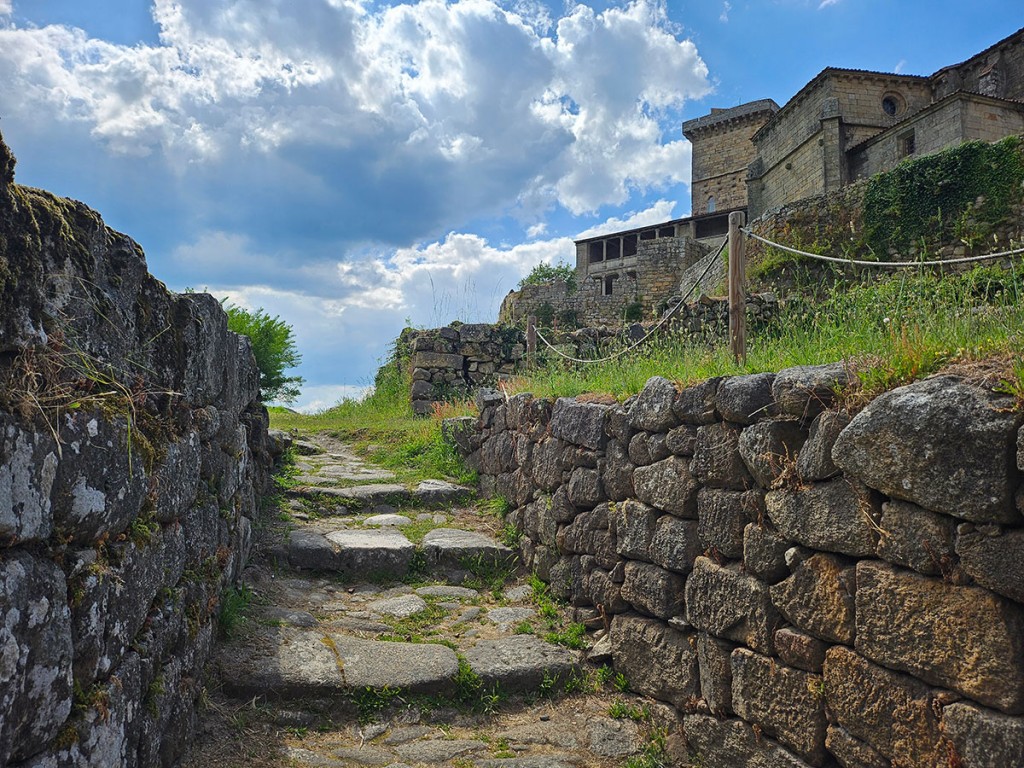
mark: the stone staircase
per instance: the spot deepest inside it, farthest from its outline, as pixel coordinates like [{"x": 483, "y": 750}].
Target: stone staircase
[{"x": 389, "y": 627}]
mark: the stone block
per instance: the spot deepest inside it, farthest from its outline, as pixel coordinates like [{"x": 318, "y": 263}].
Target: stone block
[
  {"x": 579, "y": 423},
  {"x": 964, "y": 638},
  {"x": 652, "y": 408},
  {"x": 769, "y": 448},
  {"x": 658, "y": 661},
  {"x": 653, "y": 590},
  {"x": 604, "y": 591},
  {"x": 814, "y": 461},
  {"x": 682, "y": 440},
  {"x": 835, "y": 516},
  {"x": 786, "y": 703},
  {"x": 851, "y": 752},
  {"x": 728, "y": 603},
  {"x": 585, "y": 489},
  {"x": 36, "y": 652},
  {"x": 746, "y": 399},
  {"x": 913, "y": 537},
  {"x": 566, "y": 579},
  {"x": 800, "y": 650},
  {"x": 807, "y": 390},
  {"x": 696, "y": 404},
  {"x": 764, "y": 553},
  {"x": 617, "y": 478},
  {"x": 668, "y": 485},
  {"x": 892, "y": 713},
  {"x": 546, "y": 470},
  {"x": 819, "y": 598},
  {"x": 675, "y": 544},
  {"x": 617, "y": 425},
  {"x": 734, "y": 744},
  {"x": 437, "y": 360},
  {"x": 722, "y": 516},
  {"x": 900, "y": 444},
  {"x": 716, "y": 458},
  {"x": 633, "y": 525},
  {"x": 981, "y": 737},
  {"x": 993, "y": 558},
  {"x": 715, "y": 672},
  {"x": 589, "y": 534},
  {"x": 639, "y": 450}
]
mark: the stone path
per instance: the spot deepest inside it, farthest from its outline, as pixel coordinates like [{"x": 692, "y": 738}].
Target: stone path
[{"x": 389, "y": 627}]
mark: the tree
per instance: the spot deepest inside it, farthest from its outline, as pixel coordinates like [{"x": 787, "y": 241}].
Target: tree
[{"x": 274, "y": 348}]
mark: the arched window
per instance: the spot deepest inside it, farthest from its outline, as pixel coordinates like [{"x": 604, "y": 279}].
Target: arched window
[{"x": 711, "y": 204}]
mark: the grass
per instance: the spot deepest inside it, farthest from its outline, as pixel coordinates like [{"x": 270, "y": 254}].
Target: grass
[
  {"x": 234, "y": 606},
  {"x": 383, "y": 428},
  {"x": 891, "y": 330}
]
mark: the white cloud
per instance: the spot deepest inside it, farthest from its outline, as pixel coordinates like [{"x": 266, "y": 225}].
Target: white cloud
[
  {"x": 5, "y": 7},
  {"x": 658, "y": 213},
  {"x": 827, "y": 3},
  {"x": 465, "y": 95},
  {"x": 726, "y": 7},
  {"x": 537, "y": 229},
  {"x": 900, "y": 66}
]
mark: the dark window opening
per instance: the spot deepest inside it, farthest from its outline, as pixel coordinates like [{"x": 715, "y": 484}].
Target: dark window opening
[
  {"x": 667, "y": 232},
  {"x": 608, "y": 285},
  {"x": 648, "y": 234},
  {"x": 907, "y": 144},
  {"x": 889, "y": 106},
  {"x": 596, "y": 252},
  {"x": 713, "y": 226},
  {"x": 612, "y": 249},
  {"x": 629, "y": 245}
]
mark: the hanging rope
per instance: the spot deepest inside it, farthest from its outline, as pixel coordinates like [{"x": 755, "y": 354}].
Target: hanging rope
[
  {"x": 893, "y": 264},
  {"x": 654, "y": 330}
]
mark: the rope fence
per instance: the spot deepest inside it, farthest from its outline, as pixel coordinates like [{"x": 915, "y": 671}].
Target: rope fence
[
  {"x": 889, "y": 264},
  {"x": 737, "y": 281}
]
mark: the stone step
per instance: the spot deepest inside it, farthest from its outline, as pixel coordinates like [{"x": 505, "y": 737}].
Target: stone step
[
  {"x": 384, "y": 552},
  {"x": 356, "y": 498},
  {"x": 456, "y": 548},
  {"x": 295, "y": 662},
  {"x": 363, "y": 554}
]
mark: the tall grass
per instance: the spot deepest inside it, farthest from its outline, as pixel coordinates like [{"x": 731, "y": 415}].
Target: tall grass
[
  {"x": 383, "y": 427},
  {"x": 891, "y": 330}
]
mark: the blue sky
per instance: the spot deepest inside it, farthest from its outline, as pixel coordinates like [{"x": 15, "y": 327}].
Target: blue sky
[{"x": 353, "y": 165}]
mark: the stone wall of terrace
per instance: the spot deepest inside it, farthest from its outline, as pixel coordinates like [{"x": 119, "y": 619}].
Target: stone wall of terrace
[{"x": 806, "y": 585}]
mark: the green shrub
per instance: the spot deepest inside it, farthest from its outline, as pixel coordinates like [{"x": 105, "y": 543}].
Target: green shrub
[
  {"x": 548, "y": 273},
  {"x": 274, "y": 349}
]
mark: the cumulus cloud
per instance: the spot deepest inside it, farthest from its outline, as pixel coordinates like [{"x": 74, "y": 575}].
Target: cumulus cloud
[
  {"x": 477, "y": 104},
  {"x": 5, "y": 7},
  {"x": 661, "y": 211}
]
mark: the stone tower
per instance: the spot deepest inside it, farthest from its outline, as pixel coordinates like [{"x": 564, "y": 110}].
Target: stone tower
[{"x": 722, "y": 150}]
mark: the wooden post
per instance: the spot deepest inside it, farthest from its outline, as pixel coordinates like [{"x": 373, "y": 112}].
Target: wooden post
[
  {"x": 737, "y": 288},
  {"x": 531, "y": 342}
]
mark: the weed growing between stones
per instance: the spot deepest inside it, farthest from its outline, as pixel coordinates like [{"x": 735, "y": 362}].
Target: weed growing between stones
[
  {"x": 653, "y": 754},
  {"x": 621, "y": 710},
  {"x": 234, "y": 606}
]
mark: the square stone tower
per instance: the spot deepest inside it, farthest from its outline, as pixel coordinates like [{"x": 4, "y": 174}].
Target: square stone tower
[{"x": 722, "y": 150}]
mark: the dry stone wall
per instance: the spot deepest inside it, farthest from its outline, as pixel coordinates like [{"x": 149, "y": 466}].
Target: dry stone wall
[
  {"x": 451, "y": 362},
  {"x": 807, "y": 586},
  {"x": 133, "y": 450}
]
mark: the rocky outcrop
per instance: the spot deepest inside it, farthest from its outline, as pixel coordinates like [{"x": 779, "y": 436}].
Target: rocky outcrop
[
  {"x": 133, "y": 450},
  {"x": 836, "y": 588}
]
